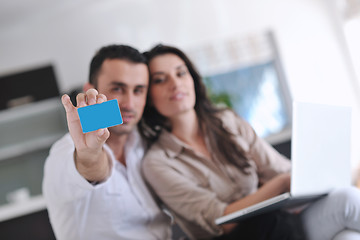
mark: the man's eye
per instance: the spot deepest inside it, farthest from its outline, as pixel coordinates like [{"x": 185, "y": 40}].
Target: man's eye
[
  {"x": 117, "y": 89},
  {"x": 139, "y": 90}
]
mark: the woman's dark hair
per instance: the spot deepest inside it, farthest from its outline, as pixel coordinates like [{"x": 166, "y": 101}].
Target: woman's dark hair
[
  {"x": 221, "y": 140},
  {"x": 113, "y": 52}
]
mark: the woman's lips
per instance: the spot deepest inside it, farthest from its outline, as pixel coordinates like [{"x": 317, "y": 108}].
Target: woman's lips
[{"x": 177, "y": 96}]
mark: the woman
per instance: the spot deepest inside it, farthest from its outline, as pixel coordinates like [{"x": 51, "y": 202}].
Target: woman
[{"x": 208, "y": 162}]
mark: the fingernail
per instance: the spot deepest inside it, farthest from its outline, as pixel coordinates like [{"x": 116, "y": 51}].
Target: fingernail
[
  {"x": 65, "y": 97},
  {"x": 82, "y": 104},
  {"x": 92, "y": 101},
  {"x": 101, "y": 132}
]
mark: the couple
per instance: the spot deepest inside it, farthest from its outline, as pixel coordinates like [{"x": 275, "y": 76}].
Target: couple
[{"x": 203, "y": 162}]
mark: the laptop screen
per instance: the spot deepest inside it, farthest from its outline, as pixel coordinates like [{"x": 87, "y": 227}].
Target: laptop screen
[{"x": 321, "y": 139}]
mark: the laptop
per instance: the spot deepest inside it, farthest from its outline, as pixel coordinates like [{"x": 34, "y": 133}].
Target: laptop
[{"x": 320, "y": 158}]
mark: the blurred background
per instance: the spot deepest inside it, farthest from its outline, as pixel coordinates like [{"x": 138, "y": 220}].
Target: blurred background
[{"x": 269, "y": 52}]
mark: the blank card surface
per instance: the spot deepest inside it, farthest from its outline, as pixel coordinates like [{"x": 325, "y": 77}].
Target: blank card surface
[{"x": 99, "y": 116}]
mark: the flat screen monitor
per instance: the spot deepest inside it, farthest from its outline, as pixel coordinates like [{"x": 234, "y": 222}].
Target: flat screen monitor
[{"x": 28, "y": 86}]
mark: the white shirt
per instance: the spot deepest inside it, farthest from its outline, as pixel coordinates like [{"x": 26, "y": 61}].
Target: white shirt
[{"x": 119, "y": 208}]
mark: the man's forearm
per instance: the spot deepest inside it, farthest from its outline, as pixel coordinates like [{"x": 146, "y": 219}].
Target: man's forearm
[{"x": 93, "y": 167}]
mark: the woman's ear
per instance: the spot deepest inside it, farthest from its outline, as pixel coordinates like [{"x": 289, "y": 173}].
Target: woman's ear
[{"x": 87, "y": 86}]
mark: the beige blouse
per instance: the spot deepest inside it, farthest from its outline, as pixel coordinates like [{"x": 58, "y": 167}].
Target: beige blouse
[{"x": 196, "y": 189}]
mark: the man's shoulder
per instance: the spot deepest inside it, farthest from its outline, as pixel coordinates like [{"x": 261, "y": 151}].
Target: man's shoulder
[
  {"x": 64, "y": 143},
  {"x": 60, "y": 150}
]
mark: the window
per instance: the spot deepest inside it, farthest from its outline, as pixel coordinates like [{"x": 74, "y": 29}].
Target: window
[{"x": 245, "y": 74}]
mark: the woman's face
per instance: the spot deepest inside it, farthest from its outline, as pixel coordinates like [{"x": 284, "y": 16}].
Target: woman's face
[{"x": 171, "y": 86}]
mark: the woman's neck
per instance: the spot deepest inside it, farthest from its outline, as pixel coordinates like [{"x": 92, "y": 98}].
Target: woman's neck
[{"x": 185, "y": 126}]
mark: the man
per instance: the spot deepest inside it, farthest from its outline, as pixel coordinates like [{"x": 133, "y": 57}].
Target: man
[{"x": 92, "y": 182}]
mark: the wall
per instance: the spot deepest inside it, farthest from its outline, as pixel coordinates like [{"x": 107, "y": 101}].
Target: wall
[{"x": 67, "y": 35}]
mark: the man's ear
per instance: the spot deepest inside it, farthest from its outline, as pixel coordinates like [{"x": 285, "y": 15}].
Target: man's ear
[{"x": 87, "y": 86}]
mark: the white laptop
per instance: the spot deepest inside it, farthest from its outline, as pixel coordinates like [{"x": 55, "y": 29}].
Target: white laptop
[{"x": 320, "y": 158}]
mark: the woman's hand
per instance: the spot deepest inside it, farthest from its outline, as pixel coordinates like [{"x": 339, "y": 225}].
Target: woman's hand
[
  {"x": 284, "y": 181},
  {"x": 277, "y": 185}
]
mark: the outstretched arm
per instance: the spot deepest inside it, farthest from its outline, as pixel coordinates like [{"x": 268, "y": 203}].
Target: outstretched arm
[{"x": 91, "y": 160}]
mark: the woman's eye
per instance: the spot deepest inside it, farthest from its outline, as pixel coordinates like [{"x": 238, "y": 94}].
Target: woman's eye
[
  {"x": 157, "y": 80},
  {"x": 182, "y": 73}
]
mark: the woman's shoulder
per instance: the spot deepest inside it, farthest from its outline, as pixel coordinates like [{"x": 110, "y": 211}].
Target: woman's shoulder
[
  {"x": 232, "y": 121},
  {"x": 155, "y": 153},
  {"x": 229, "y": 115},
  {"x": 154, "y": 150}
]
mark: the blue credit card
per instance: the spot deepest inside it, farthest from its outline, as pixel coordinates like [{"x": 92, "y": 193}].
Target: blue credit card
[{"x": 102, "y": 115}]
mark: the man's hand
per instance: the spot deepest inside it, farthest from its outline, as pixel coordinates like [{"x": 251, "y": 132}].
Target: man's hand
[{"x": 90, "y": 158}]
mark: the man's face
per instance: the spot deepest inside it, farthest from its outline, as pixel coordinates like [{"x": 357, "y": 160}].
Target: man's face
[{"x": 128, "y": 83}]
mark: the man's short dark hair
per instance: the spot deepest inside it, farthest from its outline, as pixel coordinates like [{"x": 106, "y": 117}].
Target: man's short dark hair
[{"x": 123, "y": 52}]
